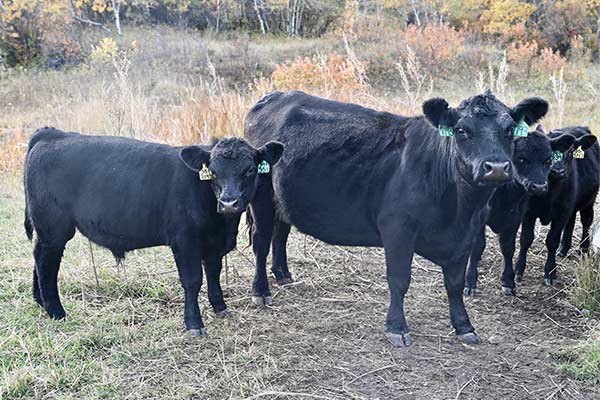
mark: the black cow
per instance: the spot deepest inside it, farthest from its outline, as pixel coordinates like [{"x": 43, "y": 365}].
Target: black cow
[
  {"x": 125, "y": 194},
  {"x": 532, "y": 160},
  {"x": 358, "y": 177},
  {"x": 574, "y": 180}
]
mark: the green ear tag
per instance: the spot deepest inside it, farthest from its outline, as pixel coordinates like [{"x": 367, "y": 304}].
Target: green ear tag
[
  {"x": 557, "y": 155},
  {"x": 264, "y": 167},
  {"x": 205, "y": 174},
  {"x": 446, "y": 131},
  {"x": 522, "y": 129},
  {"x": 579, "y": 154}
]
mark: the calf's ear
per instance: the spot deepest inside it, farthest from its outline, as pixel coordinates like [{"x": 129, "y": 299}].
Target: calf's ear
[
  {"x": 194, "y": 156},
  {"x": 438, "y": 112},
  {"x": 562, "y": 142},
  {"x": 585, "y": 141},
  {"x": 532, "y": 109},
  {"x": 270, "y": 152},
  {"x": 540, "y": 129}
]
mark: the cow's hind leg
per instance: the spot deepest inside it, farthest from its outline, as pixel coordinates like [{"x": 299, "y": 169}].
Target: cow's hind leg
[
  {"x": 472, "y": 272},
  {"x": 213, "y": 267},
  {"x": 279, "y": 268},
  {"x": 37, "y": 295},
  {"x": 552, "y": 242},
  {"x": 47, "y": 263},
  {"x": 567, "y": 237},
  {"x": 189, "y": 264},
  {"x": 587, "y": 217}
]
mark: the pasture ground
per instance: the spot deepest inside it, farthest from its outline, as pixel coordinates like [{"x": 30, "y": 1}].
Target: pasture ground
[{"x": 323, "y": 338}]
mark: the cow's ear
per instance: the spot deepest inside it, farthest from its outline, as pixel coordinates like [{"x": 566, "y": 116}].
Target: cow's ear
[
  {"x": 438, "y": 113},
  {"x": 194, "y": 156},
  {"x": 531, "y": 109},
  {"x": 540, "y": 129},
  {"x": 585, "y": 142},
  {"x": 270, "y": 152},
  {"x": 562, "y": 142}
]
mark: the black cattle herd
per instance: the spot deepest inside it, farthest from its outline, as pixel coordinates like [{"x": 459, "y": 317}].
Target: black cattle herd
[{"x": 342, "y": 173}]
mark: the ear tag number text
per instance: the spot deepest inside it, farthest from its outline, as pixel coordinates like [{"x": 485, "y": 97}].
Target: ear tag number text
[
  {"x": 264, "y": 167},
  {"x": 521, "y": 129},
  {"x": 557, "y": 155},
  {"x": 579, "y": 154},
  {"x": 446, "y": 131},
  {"x": 205, "y": 173}
]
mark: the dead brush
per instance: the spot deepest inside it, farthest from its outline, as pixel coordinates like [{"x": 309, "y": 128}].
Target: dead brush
[
  {"x": 586, "y": 293},
  {"x": 12, "y": 152},
  {"x": 416, "y": 83}
]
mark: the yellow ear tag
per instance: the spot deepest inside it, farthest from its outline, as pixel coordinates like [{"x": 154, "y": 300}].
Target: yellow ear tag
[
  {"x": 578, "y": 153},
  {"x": 205, "y": 174}
]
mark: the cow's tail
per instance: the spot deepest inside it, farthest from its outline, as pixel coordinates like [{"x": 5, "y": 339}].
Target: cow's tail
[
  {"x": 28, "y": 224},
  {"x": 249, "y": 225}
]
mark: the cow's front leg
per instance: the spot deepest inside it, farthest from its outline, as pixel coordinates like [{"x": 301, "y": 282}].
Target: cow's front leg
[
  {"x": 189, "y": 264},
  {"x": 526, "y": 240},
  {"x": 213, "y": 266},
  {"x": 399, "y": 250},
  {"x": 454, "y": 280},
  {"x": 507, "y": 246},
  {"x": 552, "y": 242},
  {"x": 263, "y": 213}
]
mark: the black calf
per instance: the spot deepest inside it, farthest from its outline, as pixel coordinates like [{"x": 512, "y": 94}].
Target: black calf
[
  {"x": 574, "y": 180},
  {"x": 532, "y": 160},
  {"x": 124, "y": 194}
]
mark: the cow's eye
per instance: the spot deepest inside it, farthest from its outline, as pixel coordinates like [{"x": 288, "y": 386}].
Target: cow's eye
[
  {"x": 249, "y": 172},
  {"x": 548, "y": 161}
]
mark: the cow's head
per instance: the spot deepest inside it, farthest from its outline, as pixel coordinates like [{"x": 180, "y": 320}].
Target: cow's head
[
  {"x": 483, "y": 128},
  {"x": 533, "y": 158},
  {"x": 233, "y": 167},
  {"x": 563, "y": 163}
]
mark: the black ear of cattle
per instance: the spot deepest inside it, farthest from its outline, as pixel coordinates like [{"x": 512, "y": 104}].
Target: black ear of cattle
[
  {"x": 126, "y": 194},
  {"x": 573, "y": 189}
]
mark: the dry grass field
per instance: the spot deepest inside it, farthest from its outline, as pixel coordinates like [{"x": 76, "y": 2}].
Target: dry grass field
[{"x": 323, "y": 338}]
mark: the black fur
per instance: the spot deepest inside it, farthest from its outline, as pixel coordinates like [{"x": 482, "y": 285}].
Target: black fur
[
  {"x": 125, "y": 194},
  {"x": 573, "y": 186},
  {"x": 358, "y": 177},
  {"x": 505, "y": 211}
]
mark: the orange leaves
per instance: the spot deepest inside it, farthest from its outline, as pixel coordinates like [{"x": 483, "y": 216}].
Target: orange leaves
[{"x": 434, "y": 44}]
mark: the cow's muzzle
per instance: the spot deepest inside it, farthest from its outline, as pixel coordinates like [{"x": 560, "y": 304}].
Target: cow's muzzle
[
  {"x": 229, "y": 206},
  {"x": 495, "y": 171}
]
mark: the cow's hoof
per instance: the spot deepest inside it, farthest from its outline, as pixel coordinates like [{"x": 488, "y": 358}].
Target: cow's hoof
[
  {"x": 469, "y": 338},
  {"x": 222, "y": 314},
  {"x": 197, "y": 332},
  {"x": 399, "y": 339},
  {"x": 57, "y": 314},
  {"x": 284, "y": 281},
  {"x": 262, "y": 301},
  {"x": 470, "y": 291},
  {"x": 518, "y": 277},
  {"x": 550, "y": 281},
  {"x": 509, "y": 291}
]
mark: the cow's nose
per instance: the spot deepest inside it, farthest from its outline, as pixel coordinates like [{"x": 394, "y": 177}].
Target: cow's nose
[
  {"x": 539, "y": 188},
  {"x": 227, "y": 206},
  {"x": 496, "y": 171}
]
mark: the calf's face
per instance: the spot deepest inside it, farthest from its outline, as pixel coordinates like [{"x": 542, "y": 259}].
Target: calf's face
[
  {"x": 533, "y": 159},
  {"x": 233, "y": 167},
  {"x": 562, "y": 164},
  {"x": 483, "y": 129}
]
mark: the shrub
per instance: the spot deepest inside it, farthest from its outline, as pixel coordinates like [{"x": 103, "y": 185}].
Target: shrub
[
  {"x": 106, "y": 51},
  {"x": 435, "y": 45},
  {"x": 331, "y": 72},
  {"x": 550, "y": 62},
  {"x": 522, "y": 56}
]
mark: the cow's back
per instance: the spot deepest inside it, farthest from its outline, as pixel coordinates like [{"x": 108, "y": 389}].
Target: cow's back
[
  {"x": 116, "y": 191},
  {"x": 338, "y": 160}
]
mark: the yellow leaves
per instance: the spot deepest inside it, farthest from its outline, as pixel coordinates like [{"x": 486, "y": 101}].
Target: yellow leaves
[
  {"x": 502, "y": 15},
  {"x": 106, "y": 51}
]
